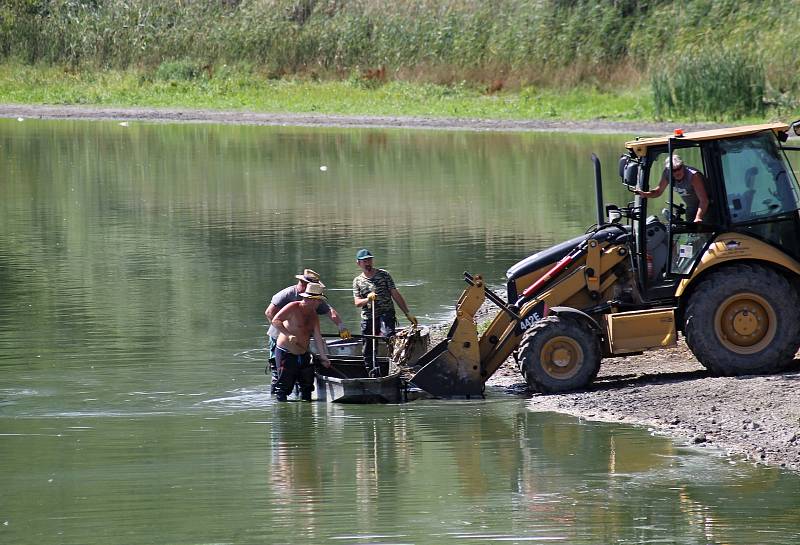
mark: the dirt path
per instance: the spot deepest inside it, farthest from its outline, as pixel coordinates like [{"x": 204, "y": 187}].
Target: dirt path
[
  {"x": 170, "y": 115},
  {"x": 667, "y": 390}
]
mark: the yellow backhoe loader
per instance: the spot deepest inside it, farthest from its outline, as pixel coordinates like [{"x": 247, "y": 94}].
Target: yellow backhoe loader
[{"x": 730, "y": 284}]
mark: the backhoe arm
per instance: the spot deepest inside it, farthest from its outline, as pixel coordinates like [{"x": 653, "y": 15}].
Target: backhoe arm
[{"x": 463, "y": 362}]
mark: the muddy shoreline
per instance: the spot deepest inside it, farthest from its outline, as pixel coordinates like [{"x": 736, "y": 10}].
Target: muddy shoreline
[
  {"x": 667, "y": 391},
  {"x": 756, "y": 418},
  {"x": 237, "y": 117}
]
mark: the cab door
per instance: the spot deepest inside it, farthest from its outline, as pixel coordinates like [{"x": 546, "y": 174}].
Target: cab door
[
  {"x": 688, "y": 240},
  {"x": 684, "y": 241}
]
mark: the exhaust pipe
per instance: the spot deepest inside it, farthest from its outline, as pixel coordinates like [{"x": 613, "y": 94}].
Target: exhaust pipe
[{"x": 598, "y": 191}]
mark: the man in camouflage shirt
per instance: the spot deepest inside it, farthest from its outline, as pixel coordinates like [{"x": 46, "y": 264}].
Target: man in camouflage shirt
[{"x": 376, "y": 287}]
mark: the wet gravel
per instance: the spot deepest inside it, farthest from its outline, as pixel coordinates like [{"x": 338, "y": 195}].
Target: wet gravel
[
  {"x": 239, "y": 117},
  {"x": 669, "y": 392}
]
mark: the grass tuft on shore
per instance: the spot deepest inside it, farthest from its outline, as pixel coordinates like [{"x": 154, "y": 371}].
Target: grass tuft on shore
[
  {"x": 240, "y": 89},
  {"x": 688, "y": 50}
]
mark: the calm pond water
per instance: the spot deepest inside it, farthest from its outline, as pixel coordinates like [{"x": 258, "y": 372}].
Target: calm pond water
[{"x": 135, "y": 266}]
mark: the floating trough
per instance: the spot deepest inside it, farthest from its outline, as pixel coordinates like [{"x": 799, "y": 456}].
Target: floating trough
[{"x": 348, "y": 380}]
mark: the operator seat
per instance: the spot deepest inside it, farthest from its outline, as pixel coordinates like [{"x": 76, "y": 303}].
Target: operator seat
[{"x": 741, "y": 204}]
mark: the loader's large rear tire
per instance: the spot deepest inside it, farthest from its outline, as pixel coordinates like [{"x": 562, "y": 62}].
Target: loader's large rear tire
[
  {"x": 742, "y": 320},
  {"x": 559, "y": 354}
]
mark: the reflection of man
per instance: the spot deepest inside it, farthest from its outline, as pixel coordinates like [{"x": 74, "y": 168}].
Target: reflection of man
[
  {"x": 289, "y": 295},
  {"x": 688, "y": 184},
  {"x": 296, "y": 323},
  {"x": 375, "y": 287}
]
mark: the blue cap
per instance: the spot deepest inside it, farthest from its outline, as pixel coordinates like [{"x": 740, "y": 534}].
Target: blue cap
[{"x": 363, "y": 253}]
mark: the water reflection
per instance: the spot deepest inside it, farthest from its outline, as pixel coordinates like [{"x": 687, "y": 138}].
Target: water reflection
[
  {"x": 140, "y": 207},
  {"x": 425, "y": 472},
  {"x": 494, "y": 472},
  {"x": 135, "y": 266}
]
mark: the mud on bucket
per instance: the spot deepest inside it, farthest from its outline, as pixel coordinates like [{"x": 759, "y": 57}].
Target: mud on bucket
[
  {"x": 442, "y": 374},
  {"x": 408, "y": 346}
]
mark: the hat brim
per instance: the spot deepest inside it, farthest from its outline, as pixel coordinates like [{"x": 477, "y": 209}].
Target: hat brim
[
  {"x": 365, "y": 257},
  {"x": 304, "y": 279},
  {"x": 312, "y": 296}
]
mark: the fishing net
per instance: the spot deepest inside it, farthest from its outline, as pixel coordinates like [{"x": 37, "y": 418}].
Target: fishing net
[{"x": 407, "y": 347}]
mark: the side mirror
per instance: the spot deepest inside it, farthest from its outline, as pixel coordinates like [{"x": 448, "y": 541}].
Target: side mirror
[
  {"x": 623, "y": 162},
  {"x": 631, "y": 176},
  {"x": 629, "y": 171}
]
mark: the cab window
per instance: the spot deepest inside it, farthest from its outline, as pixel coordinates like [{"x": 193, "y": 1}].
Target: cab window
[
  {"x": 691, "y": 157},
  {"x": 758, "y": 181}
]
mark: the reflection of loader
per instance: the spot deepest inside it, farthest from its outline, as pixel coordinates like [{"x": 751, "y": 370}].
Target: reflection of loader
[{"x": 729, "y": 285}]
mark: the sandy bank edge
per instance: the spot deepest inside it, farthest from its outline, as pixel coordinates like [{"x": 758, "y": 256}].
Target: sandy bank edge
[{"x": 173, "y": 115}]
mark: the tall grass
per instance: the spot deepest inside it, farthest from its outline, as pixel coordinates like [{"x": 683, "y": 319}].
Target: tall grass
[
  {"x": 709, "y": 85},
  {"x": 485, "y": 43},
  {"x": 287, "y": 36}
]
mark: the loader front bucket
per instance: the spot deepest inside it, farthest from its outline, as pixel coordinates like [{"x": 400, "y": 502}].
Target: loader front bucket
[{"x": 452, "y": 367}]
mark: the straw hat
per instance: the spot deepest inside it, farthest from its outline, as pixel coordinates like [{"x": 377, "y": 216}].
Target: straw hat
[
  {"x": 309, "y": 276},
  {"x": 313, "y": 291}
]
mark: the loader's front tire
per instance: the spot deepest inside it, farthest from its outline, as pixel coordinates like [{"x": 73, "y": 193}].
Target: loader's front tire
[
  {"x": 742, "y": 320},
  {"x": 559, "y": 354}
]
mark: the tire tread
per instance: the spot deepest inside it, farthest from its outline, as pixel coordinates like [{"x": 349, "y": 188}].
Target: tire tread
[
  {"x": 719, "y": 285},
  {"x": 527, "y": 354}
]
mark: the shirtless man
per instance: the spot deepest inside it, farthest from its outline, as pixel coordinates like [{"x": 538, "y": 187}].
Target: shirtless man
[
  {"x": 289, "y": 295},
  {"x": 296, "y": 323}
]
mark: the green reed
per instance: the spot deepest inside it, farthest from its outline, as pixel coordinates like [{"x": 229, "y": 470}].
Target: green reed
[
  {"x": 287, "y": 36},
  {"x": 487, "y": 44},
  {"x": 709, "y": 84}
]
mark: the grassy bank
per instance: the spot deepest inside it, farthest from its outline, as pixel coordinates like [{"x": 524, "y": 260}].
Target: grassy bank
[
  {"x": 238, "y": 90},
  {"x": 687, "y": 54}
]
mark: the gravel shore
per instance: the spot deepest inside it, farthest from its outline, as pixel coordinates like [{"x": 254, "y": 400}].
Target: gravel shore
[
  {"x": 237, "y": 117},
  {"x": 670, "y": 392},
  {"x": 757, "y": 417}
]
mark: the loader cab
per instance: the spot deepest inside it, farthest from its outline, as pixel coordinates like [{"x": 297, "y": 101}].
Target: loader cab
[
  {"x": 675, "y": 253},
  {"x": 751, "y": 189}
]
